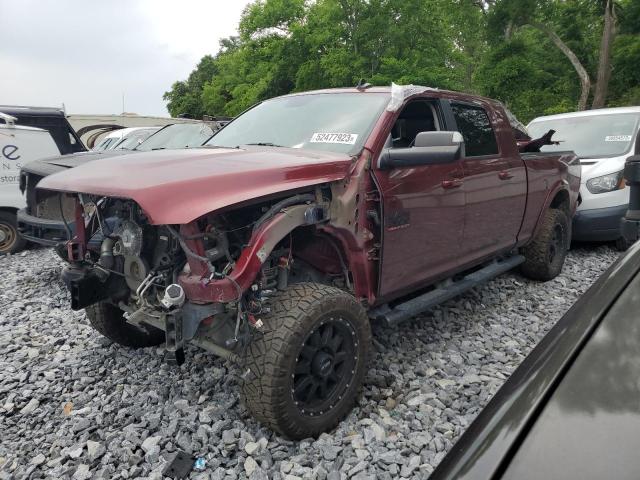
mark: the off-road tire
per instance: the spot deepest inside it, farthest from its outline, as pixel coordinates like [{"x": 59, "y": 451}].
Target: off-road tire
[
  {"x": 108, "y": 320},
  {"x": 297, "y": 315},
  {"x": 13, "y": 242},
  {"x": 545, "y": 255}
]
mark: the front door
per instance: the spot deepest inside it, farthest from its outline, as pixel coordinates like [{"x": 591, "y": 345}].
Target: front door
[{"x": 423, "y": 210}]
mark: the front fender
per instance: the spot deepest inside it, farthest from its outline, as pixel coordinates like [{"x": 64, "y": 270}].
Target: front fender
[{"x": 198, "y": 285}]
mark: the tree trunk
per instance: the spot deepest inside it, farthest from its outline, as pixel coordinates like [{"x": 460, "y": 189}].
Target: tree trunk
[
  {"x": 604, "y": 62},
  {"x": 585, "y": 81}
]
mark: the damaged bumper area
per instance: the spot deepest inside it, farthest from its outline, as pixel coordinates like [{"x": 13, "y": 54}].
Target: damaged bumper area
[{"x": 206, "y": 282}]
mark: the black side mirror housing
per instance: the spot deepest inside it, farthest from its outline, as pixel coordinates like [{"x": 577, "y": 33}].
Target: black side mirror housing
[{"x": 430, "y": 148}]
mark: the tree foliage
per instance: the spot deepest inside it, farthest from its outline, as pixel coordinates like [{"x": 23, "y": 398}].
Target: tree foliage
[{"x": 532, "y": 54}]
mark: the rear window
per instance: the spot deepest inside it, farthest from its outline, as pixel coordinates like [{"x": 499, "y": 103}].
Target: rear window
[{"x": 475, "y": 127}]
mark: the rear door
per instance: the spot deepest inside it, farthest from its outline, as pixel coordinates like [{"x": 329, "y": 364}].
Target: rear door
[{"x": 495, "y": 180}]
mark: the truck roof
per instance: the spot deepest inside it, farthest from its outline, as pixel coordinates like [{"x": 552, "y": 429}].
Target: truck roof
[
  {"x": 589, "y": 113},
  {"x": 380, "y": 89}
]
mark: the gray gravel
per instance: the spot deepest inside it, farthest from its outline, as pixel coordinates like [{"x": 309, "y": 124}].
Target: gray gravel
[{"x": 73, "y": 405}]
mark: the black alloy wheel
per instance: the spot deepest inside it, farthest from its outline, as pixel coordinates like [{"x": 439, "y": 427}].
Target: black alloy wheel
[{"x": 325, "y": 367}]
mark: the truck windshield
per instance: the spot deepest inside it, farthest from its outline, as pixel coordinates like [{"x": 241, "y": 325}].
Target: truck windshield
[
  {"x": 178, "y": 135},
  {"x": 335, "y": 122},
  {"x": 592, "y": 136}
]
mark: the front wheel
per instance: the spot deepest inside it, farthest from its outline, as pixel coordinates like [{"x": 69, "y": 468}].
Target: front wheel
[
  {"x": 10, "y": 239},
  {"x": 544, "y": 256},
  {"x": 306, "y": 368}
]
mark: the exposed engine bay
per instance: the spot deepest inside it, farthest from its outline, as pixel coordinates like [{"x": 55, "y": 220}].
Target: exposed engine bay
[{"x": 165, "y": 276}]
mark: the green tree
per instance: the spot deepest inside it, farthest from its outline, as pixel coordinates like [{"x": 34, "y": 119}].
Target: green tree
[
  {"x": 185, "y": 96},
  {"x": 538, "y": 56}
]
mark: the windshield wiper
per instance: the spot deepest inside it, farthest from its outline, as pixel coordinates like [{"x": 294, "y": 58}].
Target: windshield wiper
[
  {"x": 264, "y": 144},
  {"x": 158, "y": 148}
]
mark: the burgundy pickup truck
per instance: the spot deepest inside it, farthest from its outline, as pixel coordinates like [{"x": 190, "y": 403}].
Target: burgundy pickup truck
[{"x": 310, "y": 214}]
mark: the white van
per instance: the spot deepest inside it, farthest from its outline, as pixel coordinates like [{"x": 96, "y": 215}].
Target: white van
[
  {"x": 603, "y": 139},
  {"x": 19, "y": 144}
]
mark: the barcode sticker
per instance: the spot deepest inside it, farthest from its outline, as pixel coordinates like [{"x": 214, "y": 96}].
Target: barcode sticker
[
  {"x": 343, "y": 138},
  {"x": 617, "y": 138}
]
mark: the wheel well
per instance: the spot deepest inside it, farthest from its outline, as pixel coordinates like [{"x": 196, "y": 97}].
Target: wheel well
[{"x": 322, "y": 252}]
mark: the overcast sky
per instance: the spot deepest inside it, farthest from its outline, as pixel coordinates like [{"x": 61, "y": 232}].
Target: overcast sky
[{"x": 87, "y": 53}]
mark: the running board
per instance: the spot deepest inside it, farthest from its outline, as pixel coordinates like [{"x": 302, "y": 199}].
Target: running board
[{"x": 410, "y": 308}]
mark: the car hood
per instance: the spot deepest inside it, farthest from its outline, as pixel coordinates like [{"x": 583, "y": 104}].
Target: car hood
[
  {"x": 49, "y": 165},
  {"x": 178, "y": 186},
  {"x": 595, "y": 167}
]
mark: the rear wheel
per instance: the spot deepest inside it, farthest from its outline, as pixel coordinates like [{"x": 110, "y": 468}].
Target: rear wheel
[
  {"x": 545, "y": 255},
  {"x": 109, "y": 321},
  {"x": 307, "y": 368},
  {"x": 622, "y": 244},
  {"x": 10, "y": 239}
]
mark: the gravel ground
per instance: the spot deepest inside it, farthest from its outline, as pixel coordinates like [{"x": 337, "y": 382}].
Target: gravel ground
[{"x": 73, "y": 405}]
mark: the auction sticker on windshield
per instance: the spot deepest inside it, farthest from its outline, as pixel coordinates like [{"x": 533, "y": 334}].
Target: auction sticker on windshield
[
  {"x": 343, "y": 138},
  {"x": 617, "y": 138}
]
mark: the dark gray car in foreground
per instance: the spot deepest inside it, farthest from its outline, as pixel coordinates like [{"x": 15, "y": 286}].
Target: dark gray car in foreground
[{"x": 572, "y": 409}]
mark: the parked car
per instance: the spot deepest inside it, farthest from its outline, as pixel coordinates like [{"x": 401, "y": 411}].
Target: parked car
[
  {"x": 41, "y": 220},
  {"x": 114, "y": 140},
  {"x": 301, "y": 218},
  {"x": 571, "y": 409},
  {"x": 603, "y": 139},
  {"x": 21, "y": 142}
]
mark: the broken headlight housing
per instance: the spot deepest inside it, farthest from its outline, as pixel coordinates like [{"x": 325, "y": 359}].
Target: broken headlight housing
[{"x": 606, "y": 183}]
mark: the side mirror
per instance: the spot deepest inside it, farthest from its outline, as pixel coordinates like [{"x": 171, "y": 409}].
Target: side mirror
[{"x": 430, "y": 148}]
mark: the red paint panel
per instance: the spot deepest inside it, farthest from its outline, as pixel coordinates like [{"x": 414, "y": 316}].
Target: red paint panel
[{"x": 178, "y": 186}]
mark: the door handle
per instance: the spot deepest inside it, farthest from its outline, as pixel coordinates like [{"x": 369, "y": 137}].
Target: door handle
[
  {"x": 451, "y": 183},
  {"x": 504, "y": 175}
]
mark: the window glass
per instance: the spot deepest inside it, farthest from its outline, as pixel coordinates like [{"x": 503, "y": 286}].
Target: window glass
[
  {"x": 417, "y": 116},
  {"x": 475, "y": 127},
  {"x": 336, "y": 122}
]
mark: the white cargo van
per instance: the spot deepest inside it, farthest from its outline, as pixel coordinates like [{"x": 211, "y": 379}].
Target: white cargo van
[
  {"x": 603, "y": 139},
  {"x": 19, "y": 144}
]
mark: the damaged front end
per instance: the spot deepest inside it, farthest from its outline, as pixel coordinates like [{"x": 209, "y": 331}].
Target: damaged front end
[{"x": 206, "y": 282}]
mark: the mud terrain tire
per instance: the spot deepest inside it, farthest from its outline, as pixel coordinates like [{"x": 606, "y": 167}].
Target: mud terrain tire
[
  {"x": 10, "y": 239},
  {"x": 545, "y": 255},
  {"x": 305, "y": 371},
  {"x": 108, "y": 320}
]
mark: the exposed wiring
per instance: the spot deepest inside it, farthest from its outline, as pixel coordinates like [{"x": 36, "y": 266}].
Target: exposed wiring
[
  {"x": 345, "y": 271},
  {"x": 188, "y": 251}
]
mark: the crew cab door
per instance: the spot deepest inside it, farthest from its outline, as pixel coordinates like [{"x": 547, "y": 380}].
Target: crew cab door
[
  {"x": 422, "y": 207},
  {"x": 495, "y": 181}
]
